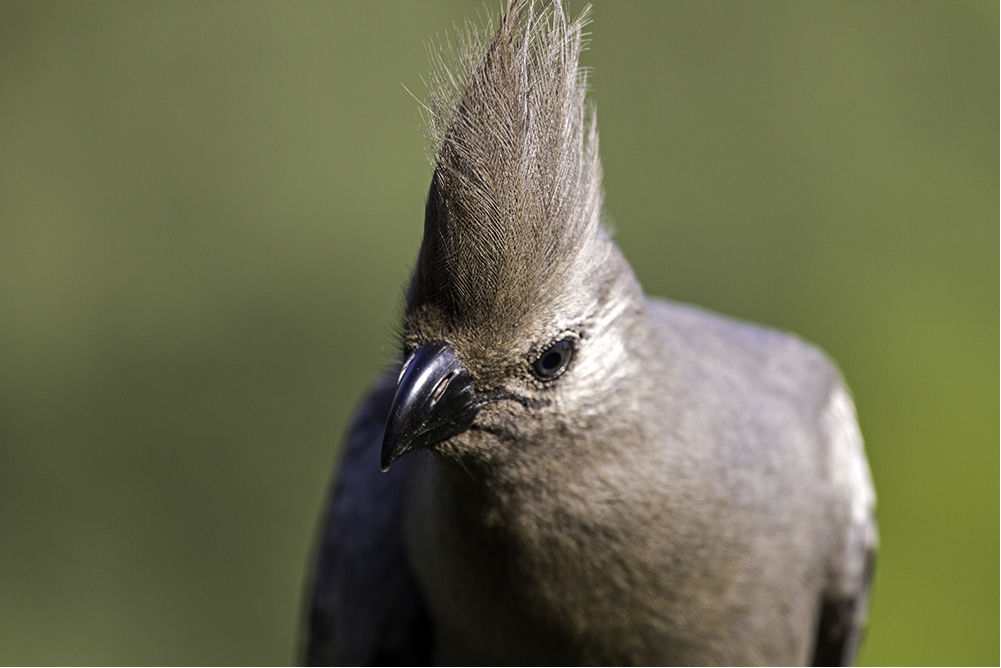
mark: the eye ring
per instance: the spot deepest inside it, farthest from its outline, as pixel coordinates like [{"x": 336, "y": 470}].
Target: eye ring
[{"x": 554, "y": 360}]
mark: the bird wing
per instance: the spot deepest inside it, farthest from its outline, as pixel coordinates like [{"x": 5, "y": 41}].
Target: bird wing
[
  {"x": 365, "y": 607},
  {"x": 846, "y": 602},
  {"x": 773, "y": 361}
]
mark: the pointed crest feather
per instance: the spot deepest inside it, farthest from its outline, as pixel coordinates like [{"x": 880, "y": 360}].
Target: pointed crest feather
[{"x": 516, "y": 192}]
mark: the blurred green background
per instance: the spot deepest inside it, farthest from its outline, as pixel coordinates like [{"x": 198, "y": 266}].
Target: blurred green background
[{"x": 208, "y": 211}]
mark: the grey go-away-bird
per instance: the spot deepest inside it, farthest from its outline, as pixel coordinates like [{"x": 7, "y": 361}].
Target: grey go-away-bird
[{"x": 559, "y": 469}]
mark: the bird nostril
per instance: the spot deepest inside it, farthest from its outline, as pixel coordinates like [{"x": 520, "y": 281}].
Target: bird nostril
[{"x": 440, "y": 388}]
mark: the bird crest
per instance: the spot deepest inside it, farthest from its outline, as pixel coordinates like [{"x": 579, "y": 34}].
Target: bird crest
[{"x": 515, "y": 198}]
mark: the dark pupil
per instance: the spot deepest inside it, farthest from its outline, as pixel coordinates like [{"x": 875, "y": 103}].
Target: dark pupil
[{"x": 552, "y": 360}]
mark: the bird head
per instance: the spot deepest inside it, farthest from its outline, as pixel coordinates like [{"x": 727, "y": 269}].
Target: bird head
[{"x": 521, "y": 311}]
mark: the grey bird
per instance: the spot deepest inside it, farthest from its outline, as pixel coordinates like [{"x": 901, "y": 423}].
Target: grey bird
[{"x": 559, "y": 469}]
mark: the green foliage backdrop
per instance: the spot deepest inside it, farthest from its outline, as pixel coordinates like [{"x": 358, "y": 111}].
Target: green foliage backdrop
[{"x": 208, "y": 210}]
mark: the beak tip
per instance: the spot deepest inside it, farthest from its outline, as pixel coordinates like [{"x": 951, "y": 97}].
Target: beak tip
[
  {"x": 391, "y": 451},
  {"x": 387, "y": 458}
]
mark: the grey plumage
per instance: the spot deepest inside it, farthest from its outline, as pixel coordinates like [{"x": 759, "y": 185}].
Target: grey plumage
[{"x": 597, "y": 476}]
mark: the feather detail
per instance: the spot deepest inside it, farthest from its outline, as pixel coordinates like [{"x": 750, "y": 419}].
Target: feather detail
[{"x": 516, "y": 195}]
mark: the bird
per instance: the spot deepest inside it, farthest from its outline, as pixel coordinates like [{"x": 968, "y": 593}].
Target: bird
[{"x": 557, "y": 468}]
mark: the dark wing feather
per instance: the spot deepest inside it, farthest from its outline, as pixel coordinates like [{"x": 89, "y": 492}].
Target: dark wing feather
[
  {"x": 845, "y": 605},
  {"x": 842, "y": 623},
  {"x": 364, "y": 606}
]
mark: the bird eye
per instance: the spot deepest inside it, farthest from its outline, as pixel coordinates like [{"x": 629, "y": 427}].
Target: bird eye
[{"x": 554, "y": 360}]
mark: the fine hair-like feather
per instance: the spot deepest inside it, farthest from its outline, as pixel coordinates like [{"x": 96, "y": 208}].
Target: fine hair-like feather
[{"x": 516, "y": 193}]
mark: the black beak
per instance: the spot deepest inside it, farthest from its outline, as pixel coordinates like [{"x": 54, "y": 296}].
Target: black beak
[{"x": 435, "y": 400}]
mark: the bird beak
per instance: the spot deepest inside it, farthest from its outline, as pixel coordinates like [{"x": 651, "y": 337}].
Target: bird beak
[{"x": 435, "y": 400}]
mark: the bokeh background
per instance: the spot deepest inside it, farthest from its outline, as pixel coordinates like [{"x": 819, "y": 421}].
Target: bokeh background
[{"x": 208, "y": 211}]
